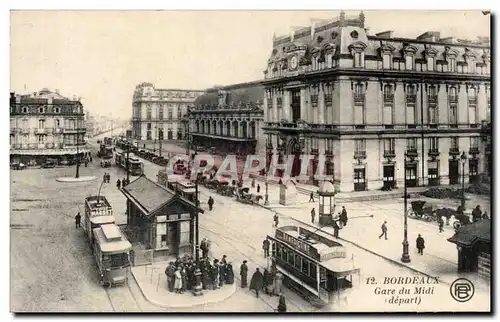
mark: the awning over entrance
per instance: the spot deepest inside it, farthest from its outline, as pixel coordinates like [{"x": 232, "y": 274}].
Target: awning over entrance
[{"x": 468, "y": 235}]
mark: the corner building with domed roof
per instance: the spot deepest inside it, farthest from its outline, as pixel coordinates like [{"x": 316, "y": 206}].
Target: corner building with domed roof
[{"x": 370, "y": 104}]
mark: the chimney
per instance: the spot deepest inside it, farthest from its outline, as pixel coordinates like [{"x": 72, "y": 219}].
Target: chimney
[
  {"x": 362, "y": 19},
  {"x": 386, "y": 34},
  {"x": 12, "y": 95},
  {"x": 34, "y": 94},
  {"x": 431, "y": 36}
]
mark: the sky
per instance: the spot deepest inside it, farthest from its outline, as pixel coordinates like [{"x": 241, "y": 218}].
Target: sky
[{"x": 102, "y": 55}]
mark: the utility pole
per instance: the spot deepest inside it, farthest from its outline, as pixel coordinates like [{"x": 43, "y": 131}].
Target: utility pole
[
  {"x": 422, "y": 128},
  {"x": 196, "y": 218},
  {"x": 405, "y": 258},
  {"x": 127, "y": 162},
  {"x": 160, "y": 138},
  {"x": 77, "y": 174}
]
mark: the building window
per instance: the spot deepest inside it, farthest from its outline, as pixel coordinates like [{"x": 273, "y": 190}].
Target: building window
[
  {"x": 360, "y": 146},
  {"x": 388, "y": 105},
  {"x": 41, "y": 124},
  {"x": 430, "y": 64},
  {"x": 179, "y": 111},
  {"x": 409, "y": 62},
  {"x": 358, "y": 60},
  {"x": 25, "y": 110},
  {"x": 327, "y": 95},
  {"x": 389, "y": 145},
  {"x": 452, "y": 64},
  {"x": 433, "y": 144},
  {"x": 57, "y": 110},
  {"x": 453, "y": 116},
  {"x": 454, "y": 144},
  {"x": 314, "y": 96},
  {"x": 148, "y": 116},
  {"x": 386, "y": 61},
  {"x": 41, "y": 110},
  {"x": 58, "y": 123},
  {"x": 432, "y": 117},
  {"x": 279, "y": 98},
  {"x": 452, "y": 94},
  {"x": 41, "y": 139},
  {"x": 25, "y": 139},
  {"x": 269, "y": 98},
  {"x": 474, "y": 142},
  {"x": 170, "y": 113},
  {"x": 160, "y": 112},
  {"x": 411, "y": 144}
]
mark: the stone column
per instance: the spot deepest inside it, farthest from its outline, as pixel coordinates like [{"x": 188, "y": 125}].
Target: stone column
[
  {"x": 482, "y": 103},
  {"x": 321, "y": 106},
  {"x": 463, "y": 106},
  {"x": 286, "y": 106},
  {"x": 443, "y": 108},
  {"x": 304, "y": 103}
]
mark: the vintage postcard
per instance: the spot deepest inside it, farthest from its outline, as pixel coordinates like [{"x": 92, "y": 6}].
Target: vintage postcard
[{"x": 250, "y": 161}]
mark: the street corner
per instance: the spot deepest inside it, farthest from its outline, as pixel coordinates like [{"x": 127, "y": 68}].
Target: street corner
[
  {"x": 152, "y": 282},
  {"x": 73, "y": 179}
]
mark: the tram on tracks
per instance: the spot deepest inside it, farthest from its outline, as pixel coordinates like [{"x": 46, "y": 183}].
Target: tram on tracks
[
  {"x": 136, "y": 167},
  {"x": 98, "y": 211},
  {"x": 112, "y": 254},
  {"x": 312, "y": 263}
]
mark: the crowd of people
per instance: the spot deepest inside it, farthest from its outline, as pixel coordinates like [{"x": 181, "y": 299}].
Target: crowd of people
[{"x": 270, "y": 282}]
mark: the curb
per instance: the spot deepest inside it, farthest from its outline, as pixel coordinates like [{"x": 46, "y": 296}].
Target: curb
[
  {"x": 181, "y": 306},
  {"x": 72, "y": 180}
]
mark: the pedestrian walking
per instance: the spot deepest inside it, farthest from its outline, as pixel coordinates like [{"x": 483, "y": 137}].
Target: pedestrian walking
[
  {"x": 384, "y": 230},
  {"x": 268, "y": 282},
  {"x": 86, "y": 163},
  {"x": 229, "y": 274},
  {"x": 276, "y": 220},
  {"x": 244, "y": 274},
  {"x": 178, "y": 280},
  {"x": 257, "y": 281},
  {"x": 336, "y": 229},
  {"x": 104, "y": 177},
  {"x": 476, "y": 214},
  {"x": 210, "y": 203},
  {"x": 441, "y": 224},
  {"x": 281, "y": 305},
  {"x": 118, "y": 183},
  {"x": 313, "y": 215},
  {"x": 278, "y": 283},
  {"x": 90, "y": 158},
  {"x": 204, "y": 248},
  {"x": 258, "y": 188},
  {"x": 420, "y": 244},
  {"x": 253, "y": 183},
  {"x": 311, "y": 197},
  {"x": 265, "y": 246},
  {"x": 183, "y": 278},
  {"x": 78, "y": 220},
  {"x": 109, "y": 178},
  {"x": 343, "y": 216}
]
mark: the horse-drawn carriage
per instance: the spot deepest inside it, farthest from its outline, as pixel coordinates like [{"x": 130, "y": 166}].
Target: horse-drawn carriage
[
  {"x": 420, "y": 212},
  {"x": 225, "y": 189},
  {"x": 249, "y": 198},
  {"x": 428, "y": 213}
]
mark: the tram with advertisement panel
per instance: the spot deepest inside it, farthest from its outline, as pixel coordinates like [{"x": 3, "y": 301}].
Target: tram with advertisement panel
[
  {"x": 98, "y": 211},
  {"x": 312, "y": 263},
  {"x": 135, "y": 167},
  {"x": 112, "y": 254}
]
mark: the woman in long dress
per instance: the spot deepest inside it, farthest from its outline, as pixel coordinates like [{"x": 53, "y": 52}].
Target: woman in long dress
[
  {"x": 278, "y": 282},
  {"x": 178, "y": 281},
  {"x": 281, "y": 305}
]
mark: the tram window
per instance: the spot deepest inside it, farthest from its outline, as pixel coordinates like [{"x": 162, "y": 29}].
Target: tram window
[
  {"x": 284, "y": 254},
  {"x": 291, "y": 258},
  {"x": 305, "y": 266},
  {"x": 312, "y": 270},
  {"x": 322, "y": 274},
  {"x": 274, "y": 250},
  {"x": 298, "y": 261}
]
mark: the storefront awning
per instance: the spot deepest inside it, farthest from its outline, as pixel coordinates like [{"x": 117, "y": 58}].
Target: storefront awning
[
  {"x": 49, "y": 151},
  {"x": 468, "y": 235}
]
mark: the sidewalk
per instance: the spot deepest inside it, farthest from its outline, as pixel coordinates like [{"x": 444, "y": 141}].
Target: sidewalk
[{"x": 152, "y": 282}]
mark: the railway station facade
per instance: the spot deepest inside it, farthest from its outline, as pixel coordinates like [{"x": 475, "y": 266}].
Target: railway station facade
[{"x": 373, "y": 103}]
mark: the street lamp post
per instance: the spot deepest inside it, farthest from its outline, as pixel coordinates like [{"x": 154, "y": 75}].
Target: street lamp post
[
  {"x": 128, "y": 162},
  {"x": 77, "y": 174},
  {"x": 154, "y": 141},
  {"x": 160, "y": 138},
  {"x": 405, "y": 258},
  {"x": 266, "y": 202},
  {"x": 463, "y": 158}
]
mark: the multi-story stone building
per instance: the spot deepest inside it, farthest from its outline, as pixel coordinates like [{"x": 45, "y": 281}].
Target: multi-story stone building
[
  {"x": 158, "y": 113},
  {"x": 46, "y": 125},
  {"x": 372, "y": 104},
  {"x": 229, "y": 119}
]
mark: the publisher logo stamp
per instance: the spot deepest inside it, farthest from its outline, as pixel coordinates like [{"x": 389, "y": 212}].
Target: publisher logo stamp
[{"x": 462, "y": 290}]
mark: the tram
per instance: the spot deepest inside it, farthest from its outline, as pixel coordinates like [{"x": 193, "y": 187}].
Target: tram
[
  {"x": 98, "y": 211},
  {"x": 136, "y": 167},
  {"x": 112, "y": 254},
  {"x": 312, "y": 264}
]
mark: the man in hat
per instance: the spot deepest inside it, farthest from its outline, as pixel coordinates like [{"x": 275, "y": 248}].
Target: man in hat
[
  {"x": 265, "y": 246},
  {"x": 78, "y": 219},
  {"x": 257, "y": 281}
]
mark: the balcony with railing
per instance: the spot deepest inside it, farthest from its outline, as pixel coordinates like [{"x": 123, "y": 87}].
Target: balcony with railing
[
  {"x": 359, "y": 154},
  {"x": 359, "y": 98},
  {"x": 58, "y": 130},
  {"x": 472, "y": 100},
  {"x": 432, "y": 99},
  {"x": 433, "y": 152},
  {"x": 454, "y": 151},
  {"x": 412, "y": 152},
  {"x": 474, "y": 150},
  {"x": 74, "y": 130},
  {"x": 388, "y": 98},
  {"x": 41, "y": 131},
  {"x": 411, "y": 98},
  {"x": 389, "y": 153}
]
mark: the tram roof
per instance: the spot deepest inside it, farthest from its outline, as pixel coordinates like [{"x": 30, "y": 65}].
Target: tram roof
[
  {"x": 111, "y": 240},
  {"x": 99, "y": 220},
  {"x": 97, "y": 201}
]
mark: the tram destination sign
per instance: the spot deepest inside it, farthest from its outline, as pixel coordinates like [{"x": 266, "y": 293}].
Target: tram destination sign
[{"x": 297, "y": 243}]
